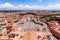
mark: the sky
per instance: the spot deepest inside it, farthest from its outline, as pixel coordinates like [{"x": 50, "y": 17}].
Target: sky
[{"x": 29, "y": 4}]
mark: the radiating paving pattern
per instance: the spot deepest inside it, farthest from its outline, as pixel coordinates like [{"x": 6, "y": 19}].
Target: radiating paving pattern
[{"x": 33, "y": 27}]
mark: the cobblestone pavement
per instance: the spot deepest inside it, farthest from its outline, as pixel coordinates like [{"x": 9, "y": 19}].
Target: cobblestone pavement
[{"x": 30, "y": 25}]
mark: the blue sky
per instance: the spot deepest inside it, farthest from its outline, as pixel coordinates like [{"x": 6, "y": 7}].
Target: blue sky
[{"x": 29, "y": 4}]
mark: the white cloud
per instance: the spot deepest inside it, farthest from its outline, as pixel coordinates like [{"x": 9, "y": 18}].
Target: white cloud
[
  {"x": 6, "y": 5},
  {"x": 40, "y": 0},
  {"x": 21, "y": 6}
]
